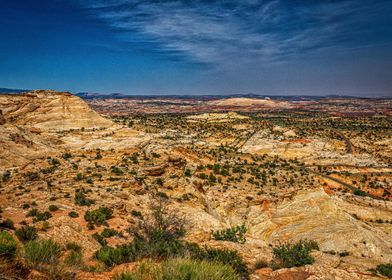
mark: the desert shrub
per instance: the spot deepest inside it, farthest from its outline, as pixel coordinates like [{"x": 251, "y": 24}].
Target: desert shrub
[
  {"x": 26, "y": 233},
  {"x": 13, "y": 269},
  {"x": 74, "y": 258},
  {"x": 32, "y": 213},
  {"x": 260, "y": 264},
  {"x": 82, "y": 200},
  {"x": 224, "y": 256},
  {"x": 73, "y": 214},
  {"x": 45, "y": 226},
  {"x": 42, "y": 216},
  {"x": 42, "y": 251},
  {"x": 116, "y": 170},
  {"x": 233, "y": 234},
  {"x": 137, "y": 214},
  {"x": 99, "y": 216},
  {"x": 7, "y": 245},
  {"x": 109, "y": 232},
  {"x": 383, "y": 269},
  {"x": 56, "y": 271},
  {"x": 7, "y": 223},
  {"x": 159, "y": 236},
  {"x": 291, "y": 255},
  {"x": 53, "y": 208},
  {"x": 359, "y": 192},
  {"x": 25, "y": 206},
  {"x": 161, "y": 224},
  {"x": 6, "y": 176},
  {"x": 67, "y": 155},
  {"x": 344, "y": 254},
  {"x": 187, "y": 173},
  {"x": 121, "y": 254},
  {"x": 162, "y": 195},
  {"x": 72, "y": 246},
  {"x": 180, "y": 269},
  {"x": 79, "y": 177},
  {"x": 32, "y": 176},
  {"x": 100, "y": 239}
]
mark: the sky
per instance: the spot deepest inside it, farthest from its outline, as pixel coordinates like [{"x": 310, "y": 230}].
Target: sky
[{"x": 267, "y": 47}]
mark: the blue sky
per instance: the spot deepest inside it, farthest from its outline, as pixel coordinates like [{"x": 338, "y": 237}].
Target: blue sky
[{"x": 198, "y": 47}]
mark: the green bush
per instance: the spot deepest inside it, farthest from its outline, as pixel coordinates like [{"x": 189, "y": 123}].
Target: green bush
[
  {"x": 73, "y": 214},
  {"x": 32, "y": 213},
  {"x": 67, "y": 155},
  {"x": 39, "y": 216},
  {"x": 109, "y": 232},
  {"x": 42, "y": 216},
  {"x": 383, "y": 269},
  {"x": 121, "y": 254},
  {"x": 6, "y": 176},
  {"x": 233, "y": 234},
  {"x": 100, "y": 239},
  {"x": 7, "y": 223},
  {"x": 359, "y": 192},
  {"x": 137, "y": 214},
  {"x": 291, "y": 255},
  {"x": 224, "y": 256},
  {"x": 160, "y": 237},
  {"x": 53, "y": 208},
  {"x": 42, "y": 251},
  {"x": 74, "y": 258},
  {"x": 72, "y": 246},
  {"x": 180, "y": 269},
  {"x": 26, "y": 233},
  {"x": 99, "y": 216},
  {"x": 82, "y": 200},
  {"x": 7, "y": 245}
]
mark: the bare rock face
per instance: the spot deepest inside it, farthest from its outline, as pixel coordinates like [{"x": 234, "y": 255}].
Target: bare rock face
[
  {"x": 317, "y": 216},
  {"x": 50, "y": 110},
  {"x": 155, "y": 170},
  {"x": 64, "y": 230}
]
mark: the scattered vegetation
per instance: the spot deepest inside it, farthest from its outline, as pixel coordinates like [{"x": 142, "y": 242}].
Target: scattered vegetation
[
  {"x": 42, "y": 251},
  {"x": 180, "y": 269},
  {"x": 159, "y": 236},
  {"x": 26, "y": 233},
  {"x": 7, "y": 224},
  {"x": 7, "y": 245},
  {"x": 233, "y": 234},
  {"x": 81, "y": 199},
  {"x": 383, "y": 269},
  {"x": 291, "y": 255},
  {"x": 99, "y": 216}
]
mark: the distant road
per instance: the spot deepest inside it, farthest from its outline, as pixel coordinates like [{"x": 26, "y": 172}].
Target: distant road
[
  {"x": 349, "y": 146},
  {"x": 352, "y": 166},
  {"x": 351, "y": 187}
]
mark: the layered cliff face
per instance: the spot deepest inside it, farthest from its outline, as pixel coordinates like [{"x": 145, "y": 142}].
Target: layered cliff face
[
  {"x": 38, "y": 123},
  {"x": 49, "y": 110}
]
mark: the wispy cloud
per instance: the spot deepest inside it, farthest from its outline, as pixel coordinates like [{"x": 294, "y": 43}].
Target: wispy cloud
[{"x": 220, "y": 32}]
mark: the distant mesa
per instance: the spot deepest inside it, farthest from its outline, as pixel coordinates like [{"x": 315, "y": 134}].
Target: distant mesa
[
  {"x": 50, "y": 110},
  {"x": 242, "y": 102},
  {"x": 216, "y": 117}
]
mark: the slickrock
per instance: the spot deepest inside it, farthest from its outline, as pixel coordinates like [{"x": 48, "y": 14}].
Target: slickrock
[{"x": 50, "y": 110}]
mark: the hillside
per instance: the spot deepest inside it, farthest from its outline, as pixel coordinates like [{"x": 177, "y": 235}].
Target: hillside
[
  {"x": 50, "y": 110},
  {"x": 78, "y": 177}
]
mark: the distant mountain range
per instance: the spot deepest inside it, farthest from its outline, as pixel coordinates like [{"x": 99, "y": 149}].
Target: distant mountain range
[
  {"x": 12, "y": 90},
  {"x": 89, "y": 95},
  {"x": 93, "y": 95}
]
